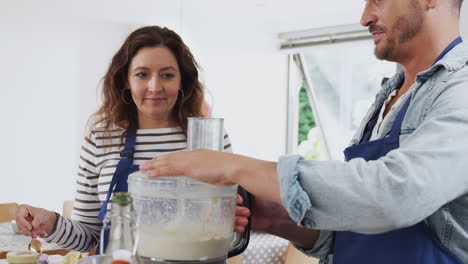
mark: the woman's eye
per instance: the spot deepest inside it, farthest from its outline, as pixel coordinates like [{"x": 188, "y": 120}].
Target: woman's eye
[
  {"x": 167, "y": 75},
  {"x": 141, "y": 74}
]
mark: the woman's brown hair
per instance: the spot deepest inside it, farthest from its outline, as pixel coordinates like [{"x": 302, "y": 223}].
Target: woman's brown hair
[{"x": 117, "y": 107}]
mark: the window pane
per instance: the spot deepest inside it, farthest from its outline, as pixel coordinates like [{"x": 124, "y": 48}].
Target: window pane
[{"x": 344, "y": 80}]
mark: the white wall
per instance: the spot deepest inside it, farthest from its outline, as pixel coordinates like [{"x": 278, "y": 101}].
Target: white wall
[
  {"x": 39, "y": 78},
  {"x": 53, "y": 54}
]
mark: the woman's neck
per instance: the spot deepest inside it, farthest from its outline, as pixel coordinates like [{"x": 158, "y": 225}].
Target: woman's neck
[{"x": 145, "y": 122}]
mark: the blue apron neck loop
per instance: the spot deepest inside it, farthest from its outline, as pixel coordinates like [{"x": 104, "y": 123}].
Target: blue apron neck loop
[
  {"x": 124, "y": 168},
  {"x": 449, "y": 48},
  {"x": 130, "y": 141},
  {"x": 396, "y": 127}
]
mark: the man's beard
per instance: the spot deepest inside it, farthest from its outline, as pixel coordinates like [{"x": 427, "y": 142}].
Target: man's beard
[{"x": 406, "y": 27}]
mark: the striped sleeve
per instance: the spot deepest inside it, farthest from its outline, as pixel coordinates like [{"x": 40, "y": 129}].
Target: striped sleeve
[{"x": 82, "y": 232}]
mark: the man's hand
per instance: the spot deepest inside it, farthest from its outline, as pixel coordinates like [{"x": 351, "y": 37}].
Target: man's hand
[
  {"x": 258, "y": 177},
  {"x": 270, "y": 217},
  {"x": 202, "y": 165},
  {"x": 242, "y": 214}
]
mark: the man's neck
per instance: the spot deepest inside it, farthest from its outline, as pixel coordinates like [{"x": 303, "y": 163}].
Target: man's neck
[
  {"x": 421, "y": 53},
  {"x": 418, "y": 58}
]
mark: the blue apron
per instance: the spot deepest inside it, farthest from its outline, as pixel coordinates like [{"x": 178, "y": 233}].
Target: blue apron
[
  {"x": 119, "y": 180},
  {"x": 411, "y": 245}
]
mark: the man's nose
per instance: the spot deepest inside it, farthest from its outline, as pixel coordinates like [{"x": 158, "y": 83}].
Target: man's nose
[{"x": 368, "y": 17}]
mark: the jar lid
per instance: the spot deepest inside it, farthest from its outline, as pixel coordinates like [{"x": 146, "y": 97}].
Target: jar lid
[{"x": 21, "y": 257}]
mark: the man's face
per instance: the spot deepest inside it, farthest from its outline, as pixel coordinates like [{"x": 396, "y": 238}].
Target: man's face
[{"x": 393, "y": 23}]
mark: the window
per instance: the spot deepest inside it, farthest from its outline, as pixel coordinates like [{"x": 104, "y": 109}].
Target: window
[{"x": 341, "y": 79}]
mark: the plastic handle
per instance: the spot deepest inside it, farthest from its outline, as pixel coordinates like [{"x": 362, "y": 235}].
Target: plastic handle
[{"x": 243, "y": 242}]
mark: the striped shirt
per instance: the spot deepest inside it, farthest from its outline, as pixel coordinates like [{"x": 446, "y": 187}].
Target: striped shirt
[{"x": 98, "y": 161}]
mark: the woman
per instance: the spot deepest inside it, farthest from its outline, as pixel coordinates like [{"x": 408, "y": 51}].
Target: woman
[{"x": 150, "y": 89}]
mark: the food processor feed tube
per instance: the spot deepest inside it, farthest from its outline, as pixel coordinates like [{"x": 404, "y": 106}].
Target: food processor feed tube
[{"x": 181, "y": 219}]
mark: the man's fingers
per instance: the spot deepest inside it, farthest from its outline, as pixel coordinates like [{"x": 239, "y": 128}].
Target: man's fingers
[
  {"x": 241, "y": 221},
  {"x": 164, "y": 170},
  {"x": 155, "y": 163},
  {"x": 239, "y": 199},
  {"x": 242, "y": 211},
  {"x": 148, "y": 165},
  {"x": 239, "y": 229}
]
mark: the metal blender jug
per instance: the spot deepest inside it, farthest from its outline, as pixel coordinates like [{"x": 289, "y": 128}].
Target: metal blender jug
[{"x": 181, "y": 220}]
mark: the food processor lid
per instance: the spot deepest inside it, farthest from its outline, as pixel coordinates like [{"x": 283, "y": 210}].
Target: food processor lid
[
  {"x": 141, "y": 177},
  {"x": 175, "y": 187}
]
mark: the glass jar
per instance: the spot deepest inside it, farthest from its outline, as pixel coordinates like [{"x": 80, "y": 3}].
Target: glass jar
[{"x": 120, "y": 224}]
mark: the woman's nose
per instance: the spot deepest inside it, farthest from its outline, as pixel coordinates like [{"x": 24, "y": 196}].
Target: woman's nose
[{"x": 154, "y": 85}]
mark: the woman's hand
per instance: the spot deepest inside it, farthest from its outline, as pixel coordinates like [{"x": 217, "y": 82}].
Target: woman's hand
[{"x": 34, "y": 222}]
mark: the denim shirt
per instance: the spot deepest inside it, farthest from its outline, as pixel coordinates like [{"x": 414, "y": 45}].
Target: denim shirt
[{"x": 425, "y": 179}]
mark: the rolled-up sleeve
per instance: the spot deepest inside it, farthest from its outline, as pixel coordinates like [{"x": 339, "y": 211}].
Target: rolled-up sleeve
[
  {"x": 294, "y": 198},
  {"x": 297, "y": 203}
]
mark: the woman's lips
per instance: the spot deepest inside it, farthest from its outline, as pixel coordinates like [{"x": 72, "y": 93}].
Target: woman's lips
[{"x": 155, "y": 100}]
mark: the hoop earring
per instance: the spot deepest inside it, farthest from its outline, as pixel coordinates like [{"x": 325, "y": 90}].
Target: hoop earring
[
  {"x": 123, "y": 97},
  {"x": 182, "y": 92}
]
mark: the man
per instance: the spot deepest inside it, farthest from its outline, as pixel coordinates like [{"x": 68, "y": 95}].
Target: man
[{"x": 402, "y": 195}]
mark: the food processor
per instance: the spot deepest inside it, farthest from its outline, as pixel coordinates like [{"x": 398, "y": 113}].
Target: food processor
[{"x": 181, "y": 220}]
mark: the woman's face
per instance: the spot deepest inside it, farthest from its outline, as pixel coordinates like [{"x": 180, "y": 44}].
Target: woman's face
[{"x": 155, "y": 80}]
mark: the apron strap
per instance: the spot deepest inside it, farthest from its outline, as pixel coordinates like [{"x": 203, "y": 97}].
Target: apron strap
[
  {"x": 449, "y": 48},
  {"x": 368, "y": 130},
  {"x": 119, "y": 179},
  {"x": 396, "y": 126}
]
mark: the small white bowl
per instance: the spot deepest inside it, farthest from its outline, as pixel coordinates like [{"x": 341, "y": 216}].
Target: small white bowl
[{"x": 14, "y": 227}]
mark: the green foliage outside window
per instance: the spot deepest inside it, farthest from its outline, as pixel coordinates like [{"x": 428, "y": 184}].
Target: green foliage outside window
[{"x": 306, "y": 119}]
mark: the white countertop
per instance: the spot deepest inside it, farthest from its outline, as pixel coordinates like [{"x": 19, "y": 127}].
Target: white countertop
[{"x": 9, "y": 240}]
